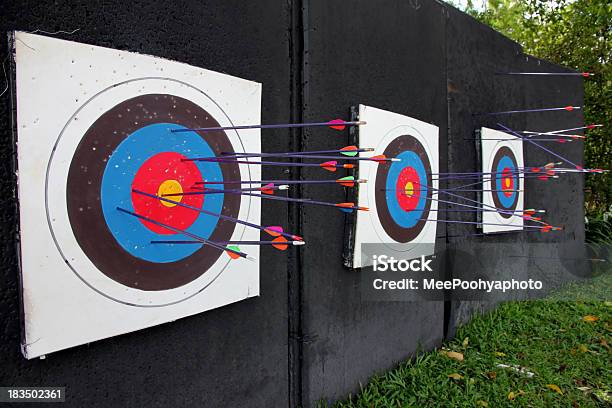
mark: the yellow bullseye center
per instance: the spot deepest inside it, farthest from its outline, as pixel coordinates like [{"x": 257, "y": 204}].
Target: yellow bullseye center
[
  {"x": 507, "y": 182},
  {"x": 170, "y": 187},
  {"x": 409, "y": 189}
]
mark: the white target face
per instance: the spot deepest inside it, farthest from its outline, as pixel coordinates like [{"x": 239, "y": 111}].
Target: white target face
[
  {"x": 101, "y": 134},
  {"x": 401, "y": 195},
  {"x": 503, "y": 181}
]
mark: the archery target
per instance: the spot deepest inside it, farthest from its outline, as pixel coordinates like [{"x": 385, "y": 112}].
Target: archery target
[
  {"x": 502, "y": 195},
  {"x": 401, "y": 195},
  {"x": 107, "y": 143}
]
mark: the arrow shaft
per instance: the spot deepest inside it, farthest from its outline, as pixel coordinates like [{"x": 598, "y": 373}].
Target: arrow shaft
[
  {"x": 527, "y": 111},
  {"x": 274, "y": 126},
  {"x": 293, "y": 200},
  {"x": 544, "y": 73},
  {"x": 296, "y": 153},
  {"x": 203, "y": 211},
  {"x": 261, "y": 163},
  {"x": 295, "y": 156},
  {"x": 476, "y": 223},
  {"x": 181, "y": 231},
  {"x": 228, "y": 242},
  {"x": 537, "y": 145},
  {"x": 277, "y": 181}
]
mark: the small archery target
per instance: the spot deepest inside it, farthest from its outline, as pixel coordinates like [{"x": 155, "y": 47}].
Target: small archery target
[
  {"x": 107, "y": 142},
  {"x": 401, "y": 194},
  {"x": 503, "y": 181}
]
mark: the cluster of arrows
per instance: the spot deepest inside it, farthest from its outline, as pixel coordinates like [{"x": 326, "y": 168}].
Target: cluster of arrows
[
  {"x": 328, "y": 160},
  {"x": 344, "y": 158},
  {"x": 544, "y": 172}
]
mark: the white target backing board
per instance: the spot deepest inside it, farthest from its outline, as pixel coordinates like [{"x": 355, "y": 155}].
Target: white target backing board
[
  {"x": 401, "y": 194},
  {"x": 101, "y": 134},
  {"x": 503, "y": 183}
]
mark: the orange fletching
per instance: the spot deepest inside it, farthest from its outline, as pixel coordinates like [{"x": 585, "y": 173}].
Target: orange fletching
[
  {"x": 329, "y": 166},
  {"x": 345, "y": 205},
  {"x": 281, "y": 243},
  {"x": 379, "y": 158},
  {"x": 233, "y": 255},
  {"x": 346, "y": 183}
]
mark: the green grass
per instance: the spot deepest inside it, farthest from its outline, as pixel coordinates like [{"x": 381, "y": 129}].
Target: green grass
[{"x": 550, "y": 339}]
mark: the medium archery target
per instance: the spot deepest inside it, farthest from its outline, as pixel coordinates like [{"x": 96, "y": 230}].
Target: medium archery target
[
  {"x": 403, "y": 189},
  {"x": 400, "y": 195},
  {"x": 94, "y": 126},
  {"x": 502, "y": 165}
]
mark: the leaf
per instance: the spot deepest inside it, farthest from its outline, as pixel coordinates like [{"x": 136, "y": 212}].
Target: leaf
[
  {"x": 455, "y": 376},
  {"x": 555, "y": 388},
  {"x": 583, "y": 348},
  {"x": 481, "y": 403},
  {"x": 466, "y": 341},
  {"x": 604, "y": 343},
  {"x": 590, "y": 318},
  {"x": 491, "y": 374},
  {"x": 511, "y": 395},
  {"x": 500, "y": 354},
  {"x": 454, "y": 355}
]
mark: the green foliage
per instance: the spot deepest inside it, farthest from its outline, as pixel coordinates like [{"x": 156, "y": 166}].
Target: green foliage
[
  {"x": 540, "y": 353},
  {"x": 599, "y": 231},
  {"x": 575, "y": 34}
]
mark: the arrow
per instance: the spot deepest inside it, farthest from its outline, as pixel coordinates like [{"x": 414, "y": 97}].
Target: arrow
[
  {"x": 270, "y": 230},
  {"x": 558, "y": 132},
  {"x": 568, "y": 108},
  {"x": 329, "y": 165},
  {"x": 558, "y": 140},
  {"x": 582, "y": 74},
  {"x": 379, "y": 158},
  {"x": 540, "y": 146},
  {"x": 280, "y": 243},
  {"x": 267, "y": 189},
  {"x": 230, "y": 250},
  {"x": 546, "y": 228},
  {"x": 346, "y": 151},
  {"x": 336, "y": 124},
  {"x": 346, "y": 207},
  {"x": 348, "y": 181}
]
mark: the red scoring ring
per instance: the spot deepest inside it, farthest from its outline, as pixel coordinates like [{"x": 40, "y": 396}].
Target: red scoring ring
[
  {"x": 155, "y": 171},
  {"x": 405, "y": 201},
  {"x": 508, "y": 178}
]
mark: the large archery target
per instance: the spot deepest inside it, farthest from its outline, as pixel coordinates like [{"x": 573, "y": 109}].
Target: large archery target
[
  {"x": 502, "y": 164},
  {"x": 92, "y": 235},
  {"x": 93, "y": 124},
  {"x": 401, "y": 195}
]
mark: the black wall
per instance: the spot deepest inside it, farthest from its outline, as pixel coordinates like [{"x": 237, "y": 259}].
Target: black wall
[
  {"x": 389, "y": 54},
  {"x": 232, "y": 356},
  {"x": 308, "y": 336}
]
